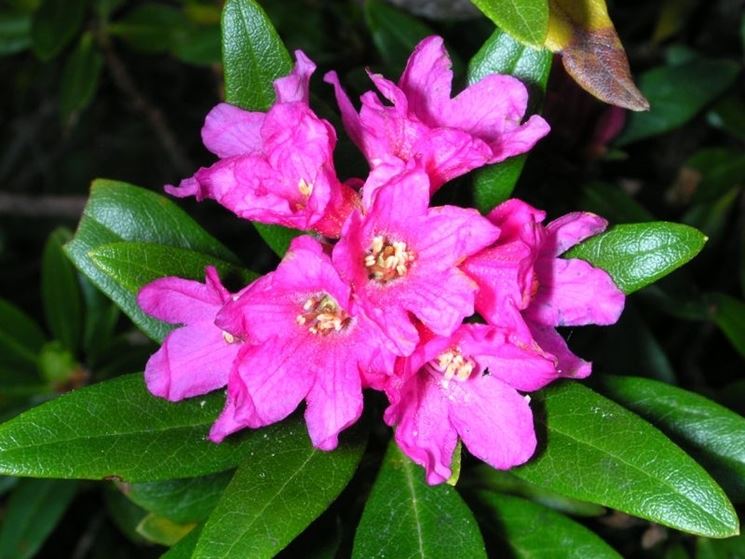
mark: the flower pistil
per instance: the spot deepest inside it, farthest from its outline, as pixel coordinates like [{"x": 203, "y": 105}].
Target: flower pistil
[{"x": 387, "y": 260}]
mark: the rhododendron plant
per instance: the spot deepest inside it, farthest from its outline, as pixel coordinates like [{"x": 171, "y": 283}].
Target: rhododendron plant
[
  {"x": 384, "y": 307},
  {"x": 387, "y": 306}
]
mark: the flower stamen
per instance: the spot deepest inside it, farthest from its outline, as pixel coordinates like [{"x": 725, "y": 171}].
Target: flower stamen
[
  {"x": 452, "y": 364},
  {"x": 322, "y": 315},
  {"x": 387, "y": 260}
]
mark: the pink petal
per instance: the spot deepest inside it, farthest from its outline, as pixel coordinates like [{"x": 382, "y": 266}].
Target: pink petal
[
  {"x": 230, "y": 130},
  {"x": 522, "y": 366},
  {"x": 193, "y": 360},
  {"x": 453, "y": 233},
  {"x": 494, "y": 421},
  {"x": 335, "y": 400},
  {"x": 519, "y": 140},
  {"x": 423, "y": 431},
  {"x": 440, "y": 301},
  {"x": 276, "y": 379},
  {"x": 180, "y": 301},
  {"x": 350, "y": 118},
  {"x": 573, "y": 293},
  {"x": 447, "y": 153},
  {"x": 571, "y": 229},
  {"x": 487, "y": 109},
  {"x": 503, "y": 273},
  {"x": 569, "y": 365},
  {"x": 518, "y": 220},
  {"x": 404, "y": 197},
  {"x": 295, "y": 87},
  {"x": 427, "y": 79},
  {"x": 230, "y": 420}
]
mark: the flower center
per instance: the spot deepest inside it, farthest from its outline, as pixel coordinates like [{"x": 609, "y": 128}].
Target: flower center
[
  {"x": 387, "y": 260},
  {"x": 322, "y": 315},
  {"x": 305, "y": 188},
  {"x": 452, "y": 364},
  {"x": 230, "y": 338}
]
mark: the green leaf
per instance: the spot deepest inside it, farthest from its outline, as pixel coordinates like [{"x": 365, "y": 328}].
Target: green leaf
[
  {"x": 118, "y": 430},
  {"x": 184, "y": 549},
  {"x": 404, "y": 517},
  {"x": 597, "y": 451},
  {"x": 199, "y": 45},
  {"x": 33, "y": 510},
  {"x": 283, "y": 486},
  {"x": 54, "y": 25},
  {"x": 676, "y": 94},
  {"x": 21, "y": 340},
  {"x": 253, "y": 55},
  {"x": 535, "y": 532},
  {"x": 731, "y": 548},
  {"x": 487, "y": 478},
  {"x": 133, "y": 265},
  {"x": 526, "y": 20},
  {"x": 161, "y": 530},
  {"x": 181, "y": 500},
  {"x": 125, "y": 515},
  {"x": 80, "y": 77},
  {"x": 15, "y": 33},
  {"x": 394, "y": 32},
  {"x": 278, "y": 238},
  {"x": 729, "y": 314},
  {"x": 710, "y": 432},
  {"x": 118, "y": 212},
  {"x": 721, "y": 169},
  {"x": 638, "y": 254},
  {"x": 60, "y": 292},
  {"x": 501, "y": 54},
  {"x": 101, "y": 317}
]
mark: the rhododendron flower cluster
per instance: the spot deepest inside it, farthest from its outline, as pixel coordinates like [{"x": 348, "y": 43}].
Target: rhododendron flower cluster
[{"x": 383, "y": 292}]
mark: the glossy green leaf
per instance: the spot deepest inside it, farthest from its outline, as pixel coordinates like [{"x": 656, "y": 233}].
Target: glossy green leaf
[
  {"x": 253, "y": 55},
  {"x": 501, "y": 54},
  {"x": 80, "y": 77},
  {"x": 15, "y": 33},
  {"x": 394, "y": 32},
  {"x": 60, "y": 292},
  {"x": 676, "y": 94},
  {"x": 21, "y": 340},
  {"x": 184, "y": 549},
  {"x": 729, "y": 314},
  {"x": 101, "y": 317},
  {"x": 162, "y": 530},
  {"x": 133, "y": 265},
  {"x": 181, "y": 500},
  {"x": 283, "y": 485},
  {"x": 404, "y": 517},
  {"x": 118, "y": 212},
  {"x": 526, "y": 20},
  {"x": 535, "y": 532},
  {"x": 731, "y": 548},
  {"x": 55, "y": 24},
  {"x": 118, "y": 430},
  {"x": 597, "y": 451},
  {"x": 487, "y": 478},
  {"x": 638, "y": 254},
  {"x": 710, "y": 432},
  {"x": 33, "y": 510}
]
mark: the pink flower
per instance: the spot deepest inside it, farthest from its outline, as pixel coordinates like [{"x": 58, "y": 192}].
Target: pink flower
[
  {"x": 275, "y": 167},
  {"x": 466, "y": 385},
  {"x": 523, "y": 285},
  {"x": 402, "y": 257},
  {"x": 450, "y": 136},
  {"x": 305, "y": 340},
  {"x": 197, "y": 357}
]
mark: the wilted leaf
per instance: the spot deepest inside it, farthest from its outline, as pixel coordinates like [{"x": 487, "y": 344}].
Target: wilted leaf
[{"x": 592, "y": 53}]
